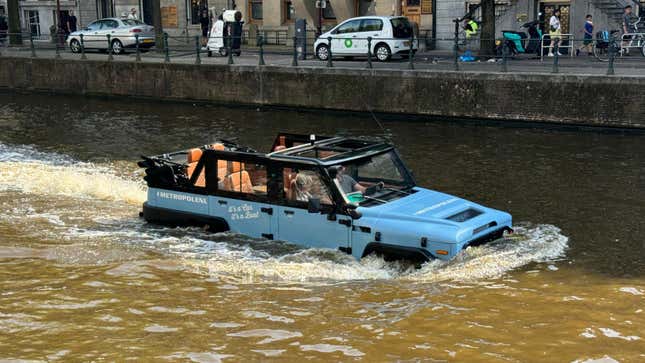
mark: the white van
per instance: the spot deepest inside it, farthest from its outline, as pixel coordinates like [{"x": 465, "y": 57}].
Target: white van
[{"x": 390, "y": 35}]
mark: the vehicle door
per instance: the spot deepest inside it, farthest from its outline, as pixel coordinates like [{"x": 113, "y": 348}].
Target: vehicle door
[
  {"x": 108, "y": 26},
  {"x": 369, "y": 28},
  {"x": 242, "y": 196},
  {"x": 345, "y": 37},
  {"x": 91, "y": 34},
  {"x": 297, "y": 223}
]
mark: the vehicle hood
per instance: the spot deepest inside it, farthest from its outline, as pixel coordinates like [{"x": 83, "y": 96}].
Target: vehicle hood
[{"x": 432, "y": 209}]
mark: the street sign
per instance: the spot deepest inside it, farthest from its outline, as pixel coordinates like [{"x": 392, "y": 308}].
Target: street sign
[{"x": 321, "y": 4}]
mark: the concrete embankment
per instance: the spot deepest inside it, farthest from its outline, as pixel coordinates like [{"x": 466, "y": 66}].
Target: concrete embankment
[{"x": 617, "y": 101}]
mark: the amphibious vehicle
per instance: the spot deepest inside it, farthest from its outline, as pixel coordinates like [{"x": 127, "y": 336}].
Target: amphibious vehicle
[{"x": 346, "y": 194}]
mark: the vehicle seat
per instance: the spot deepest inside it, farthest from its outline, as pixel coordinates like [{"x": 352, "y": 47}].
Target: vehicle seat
[
  {"x": 193, "y": 158},
  {"x": 238, "y": 182}
]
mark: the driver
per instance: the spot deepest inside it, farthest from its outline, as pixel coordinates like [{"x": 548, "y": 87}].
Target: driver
[{"x": 347, "y": 183}]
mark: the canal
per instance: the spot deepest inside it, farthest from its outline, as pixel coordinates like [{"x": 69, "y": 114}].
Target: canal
[{"x": 82, "y": 278}]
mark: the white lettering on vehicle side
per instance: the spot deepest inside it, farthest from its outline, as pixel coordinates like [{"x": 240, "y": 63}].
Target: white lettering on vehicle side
[
  {"x": 182, "y": 197},
  {"x": 244, "y": 211},
  {"x": 438, "y": 205}
]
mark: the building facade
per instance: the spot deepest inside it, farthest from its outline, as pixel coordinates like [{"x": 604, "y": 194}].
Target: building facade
[{"x": 433, "y": 17}]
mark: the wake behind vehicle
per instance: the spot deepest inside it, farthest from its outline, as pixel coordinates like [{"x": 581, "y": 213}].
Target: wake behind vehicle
[
  {"x": 122, "y": 33},
  {"x": 390, "y": 35},
  {"x": 339, "y": 193}
]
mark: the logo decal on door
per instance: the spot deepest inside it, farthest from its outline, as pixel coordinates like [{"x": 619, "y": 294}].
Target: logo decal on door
[
  {"x": 348, "y": 43},
  {"x": 244, "y": 211}
]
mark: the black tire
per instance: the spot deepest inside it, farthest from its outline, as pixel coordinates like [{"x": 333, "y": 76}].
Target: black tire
[
  {"x": 382, "y": 52},
  {"x": 322, "y": 52},
  {"x": 643, "y": 46},
  {"x": 117, "y": 47},
  {"x": 601, "y": 53},
  {"x": 75, "y": 46}
]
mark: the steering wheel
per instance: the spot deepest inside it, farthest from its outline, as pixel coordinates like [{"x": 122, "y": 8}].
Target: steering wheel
[{"x": 374, "y": 188}]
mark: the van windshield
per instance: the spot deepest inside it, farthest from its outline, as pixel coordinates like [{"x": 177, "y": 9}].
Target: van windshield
[{"x": 401, "y": 28}]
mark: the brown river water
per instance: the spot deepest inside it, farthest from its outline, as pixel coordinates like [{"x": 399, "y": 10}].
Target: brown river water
[{"x": 82, "y": 278}]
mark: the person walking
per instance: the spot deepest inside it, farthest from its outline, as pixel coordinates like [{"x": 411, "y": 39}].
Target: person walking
[
  {"x": 554, "y": 32},
  {"x": 628, "y": 28},
  {"x": 587, "y": 42},
  {"x": 204, "y": 21},
  {"x": 133, "y": 14},
  {"x": 4, "y": 29}
]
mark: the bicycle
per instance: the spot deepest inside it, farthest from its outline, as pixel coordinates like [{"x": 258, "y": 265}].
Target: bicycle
[{"x": 607, "y": 42}]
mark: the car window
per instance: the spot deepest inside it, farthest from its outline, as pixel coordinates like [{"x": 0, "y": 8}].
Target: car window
[
  {"x": 132, "y": 22},
  {"x": 109, "y": 24},
  {"x": 302, "y": 185},
  {"x": 247, "y": 178},
  {"x": 401, "y": 28},
  {"x": 370, "y": 25},
  {"x": 94, "y": 26},
  {"x": 349, "y": 27}
]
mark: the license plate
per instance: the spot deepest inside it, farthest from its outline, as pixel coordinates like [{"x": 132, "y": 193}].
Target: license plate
[{"x": 147, "y": 41}]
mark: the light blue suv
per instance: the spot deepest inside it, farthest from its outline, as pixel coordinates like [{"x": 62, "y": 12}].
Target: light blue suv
[{"x": 345, "y": 194}]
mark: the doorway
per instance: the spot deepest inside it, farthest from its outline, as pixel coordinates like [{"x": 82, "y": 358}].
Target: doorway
[{"x": 412, "y": 10}]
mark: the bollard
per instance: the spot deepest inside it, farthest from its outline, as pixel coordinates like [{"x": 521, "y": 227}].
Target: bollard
[
  {"x": 230, "y": 50},
  {"x": 165, "y": 48},
  {"x": 83, "y": 56},
  {"x": 504, "y": 56},
  {"x": 31, "y": 46},
  {"x": 411, "y": 53},
  {"x": 110, "y": 57},
  {"x": 136, "y": 44},
  {"x": 294, "y": 62},
  {"x": 456, "y": 46},
  {"x": 612, "y": 56},
  {"x": 369, "y": 52},
  {"x": 556, "y": 57},
  {"x": 329, "y": 62},
  {"x": 261, "y": 40},
  {"x": 198, "y": 48}
]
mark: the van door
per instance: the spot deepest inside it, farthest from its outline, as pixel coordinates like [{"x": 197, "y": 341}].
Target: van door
[
  {"x": 296, "y": 224},
  {"x": 369, "y": 28},
  {"x": 344, "y": 40}
]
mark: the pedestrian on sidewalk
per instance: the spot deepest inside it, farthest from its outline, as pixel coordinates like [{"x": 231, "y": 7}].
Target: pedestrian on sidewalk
[
  {"x": 587, "y": 43},
  {"x": 133, "y": 14},
  {"x": 628, "y": 27},
  {"x": 72, "y": 22},
  {"x": 204, "y": 21},
  {"x": 554, "y": 32}
]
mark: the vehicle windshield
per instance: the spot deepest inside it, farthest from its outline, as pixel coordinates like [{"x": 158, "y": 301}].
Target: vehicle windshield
[
  {"x": 132, "y": 22},
  {"x": 401, "y": 28},
  {"x": 374, "y": 180}
]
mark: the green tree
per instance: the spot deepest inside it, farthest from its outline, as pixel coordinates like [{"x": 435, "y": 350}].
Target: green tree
[{"x": 14, "y": 22}]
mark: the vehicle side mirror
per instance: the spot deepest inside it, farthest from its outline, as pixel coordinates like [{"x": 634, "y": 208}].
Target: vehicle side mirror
[
  {"x": 313, "y": 206},
  {"x": 352, "y": 212}
]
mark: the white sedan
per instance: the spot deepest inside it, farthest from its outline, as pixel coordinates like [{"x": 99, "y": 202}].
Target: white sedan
[{"x": 122, "y": 33}]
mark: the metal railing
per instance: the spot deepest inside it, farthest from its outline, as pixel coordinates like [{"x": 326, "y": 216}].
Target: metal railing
[{"x": 368, "y": 52}]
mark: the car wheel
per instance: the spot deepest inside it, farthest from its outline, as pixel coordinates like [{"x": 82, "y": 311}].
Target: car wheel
[
  {"x": 643, "y": 47},
  {"x": 75, "y": 46},
  {"x": 322, "y": 52},
  {"x": 117, "y": 46},
  {"x": 383, "y": 53}
]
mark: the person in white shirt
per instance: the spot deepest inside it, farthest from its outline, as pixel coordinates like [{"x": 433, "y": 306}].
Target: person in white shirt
[
  {"x": 554, "y": 32},
  {"x": 133, "y": 14}
]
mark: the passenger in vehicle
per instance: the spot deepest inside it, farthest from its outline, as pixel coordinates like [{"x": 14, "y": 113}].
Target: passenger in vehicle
[
  {"x": 347, "y": 183},
  {"x": 302, "y": 187}
]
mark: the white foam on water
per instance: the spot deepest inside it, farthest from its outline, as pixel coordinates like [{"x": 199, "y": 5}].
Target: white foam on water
[
  {"x": 269, "y": 335},
  {"x": 27, "y": 170},
  {"x": 605, "y": 359},
  {"x": 330, "y": 348},
  {"x": 631, "y": 290},
  {"x": 611, "y": 333}
]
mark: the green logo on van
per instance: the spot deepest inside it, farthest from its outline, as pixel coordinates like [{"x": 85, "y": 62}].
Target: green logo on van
[{"x": 348, "y": 43}]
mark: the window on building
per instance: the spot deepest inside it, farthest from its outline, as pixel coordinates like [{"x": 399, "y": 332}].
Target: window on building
[
  {"x": 413, "y": 2},
  {"x": 328, "y": 12},
  {"x": 33, "y": 19},
  {"x": 426, "y": 6},
  {"x": 289, "y": 11},
  {"x": 256, "y": 10},
  {"x": 196, "y": 7}
]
